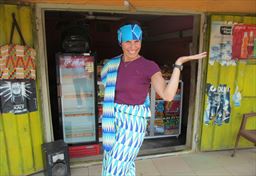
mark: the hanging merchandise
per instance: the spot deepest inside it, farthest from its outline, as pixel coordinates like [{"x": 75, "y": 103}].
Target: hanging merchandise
[
  {"x": 221, "y": 43},
  {"x": 237, "y": 97},
  {"x": 224, "y": 108},
  {"x": 211, "y": 106},
  {"x": 17, "y": 76},
  {"x": 17, "y": 61},
  {"x": 218, "y": 104},
  {"x": 17, "y": 96},
  {"x": 244, "y": 41}
]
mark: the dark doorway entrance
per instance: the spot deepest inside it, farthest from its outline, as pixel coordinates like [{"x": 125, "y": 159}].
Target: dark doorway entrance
[{"x": 165, "y": 38}]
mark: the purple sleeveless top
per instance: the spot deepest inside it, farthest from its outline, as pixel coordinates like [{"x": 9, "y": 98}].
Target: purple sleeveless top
[{"x": 133, "y": 81}]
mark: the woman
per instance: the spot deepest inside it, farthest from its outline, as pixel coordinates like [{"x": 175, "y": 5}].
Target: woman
[{"x": 127, "y": 79}]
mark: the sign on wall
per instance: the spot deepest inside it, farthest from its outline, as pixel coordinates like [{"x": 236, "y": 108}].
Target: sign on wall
[
  {"x": 221, "y": 43},
  {"x": 244, "y": 41}
]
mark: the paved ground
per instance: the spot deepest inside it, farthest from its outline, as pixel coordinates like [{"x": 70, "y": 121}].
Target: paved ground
[{"x": 218, "y": 163}]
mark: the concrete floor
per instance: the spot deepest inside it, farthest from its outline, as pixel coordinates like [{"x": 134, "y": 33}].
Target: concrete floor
[{"x": 217, "y": 163}]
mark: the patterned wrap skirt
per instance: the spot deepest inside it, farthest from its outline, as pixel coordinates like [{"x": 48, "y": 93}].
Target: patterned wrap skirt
[{"x": 130, "y": 124}]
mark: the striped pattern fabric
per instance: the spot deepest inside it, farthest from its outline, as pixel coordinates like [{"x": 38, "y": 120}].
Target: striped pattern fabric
[
  {"x": 130, "y": 123},
  {"x": 17, "y": 62},
  {"x": 108, "y": 78}
]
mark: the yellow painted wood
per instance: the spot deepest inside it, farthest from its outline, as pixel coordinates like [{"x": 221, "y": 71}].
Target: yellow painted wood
[
  {"x": 249, "y": 88},
  {"x": 37, "y": 138},
  {"x": 2, "y": 32},
  {"x": 13, "y": 144},
  {"x": 227, "y": 76},
  {"x": 21, "y": 135},
  {"x": 4, "y": 167},
  {"x": 24, "y": 15},
  {"x": 207, "y": 129},
  {"x": 25, "y": 142},
  {"x": 242, "y": 75},
  {"x": 206, "y": 139}
]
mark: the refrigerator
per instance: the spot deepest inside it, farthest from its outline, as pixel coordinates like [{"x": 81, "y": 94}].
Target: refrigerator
[
  {"x": 166, "y": 117},
  {"x": 77, "y": 97}
]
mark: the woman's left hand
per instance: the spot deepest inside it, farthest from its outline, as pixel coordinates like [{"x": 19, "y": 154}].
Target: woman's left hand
[{"x": 184, "y": 59}]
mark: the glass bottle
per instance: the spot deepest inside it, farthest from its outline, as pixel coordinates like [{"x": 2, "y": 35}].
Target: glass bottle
[
  {"x": 250, "y": 45},
  {"x": 244, "y": 52}
]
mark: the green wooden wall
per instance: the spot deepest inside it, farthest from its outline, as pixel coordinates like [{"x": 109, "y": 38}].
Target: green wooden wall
[
  {"x": 20, "y": 135},
  {"x": 216, "y": 137}
]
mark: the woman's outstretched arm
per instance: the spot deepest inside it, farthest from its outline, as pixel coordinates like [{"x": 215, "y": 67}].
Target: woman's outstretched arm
[{"x": 168, "y": 91}]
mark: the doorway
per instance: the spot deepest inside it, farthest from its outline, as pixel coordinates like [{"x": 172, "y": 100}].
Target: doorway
[{"x": 165, "y": 38}]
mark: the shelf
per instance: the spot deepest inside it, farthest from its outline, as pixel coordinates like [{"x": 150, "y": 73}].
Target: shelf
[
  {"x": 82, "y": 95},
  {"x": 161, "y": 136},
  {"x": 166, "y": 116},
  {"x": 79, "y": 115}
]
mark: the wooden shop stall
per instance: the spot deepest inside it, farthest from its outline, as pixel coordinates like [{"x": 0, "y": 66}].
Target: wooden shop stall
[{"x": 192, "y": 122}]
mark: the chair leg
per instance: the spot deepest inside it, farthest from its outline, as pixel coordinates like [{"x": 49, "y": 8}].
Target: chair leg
[{"x": 236, "y": 144}]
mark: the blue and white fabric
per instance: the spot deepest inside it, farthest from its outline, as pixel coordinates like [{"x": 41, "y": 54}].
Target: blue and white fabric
[
  {"x": 130, "y": 122},
  {"x": 108, "y": 78},
  {"x": 129, "y": 32}
]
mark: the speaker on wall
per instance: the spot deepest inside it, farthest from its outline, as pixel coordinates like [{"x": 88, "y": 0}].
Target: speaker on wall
[{"x": 56, "y": 159}]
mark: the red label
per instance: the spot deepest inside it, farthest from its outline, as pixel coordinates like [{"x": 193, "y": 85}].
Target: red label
[{"x": 244, "y": 37}]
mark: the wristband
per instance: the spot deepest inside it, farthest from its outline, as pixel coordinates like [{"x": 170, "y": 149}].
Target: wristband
[{"x": 180, "y": 67}]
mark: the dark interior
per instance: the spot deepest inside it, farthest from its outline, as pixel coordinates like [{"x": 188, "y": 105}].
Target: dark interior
[{"x": 165, "y": 38}]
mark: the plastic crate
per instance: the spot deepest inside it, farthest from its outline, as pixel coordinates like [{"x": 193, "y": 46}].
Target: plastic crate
[{"x": 84, "y": 150}]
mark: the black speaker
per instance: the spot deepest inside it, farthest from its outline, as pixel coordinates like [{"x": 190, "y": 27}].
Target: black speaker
[
  {"x": 56, "y": 159},
  {"x": 75, "y": 38}
]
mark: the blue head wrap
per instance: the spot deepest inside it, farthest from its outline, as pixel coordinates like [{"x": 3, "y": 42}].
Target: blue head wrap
[{"x": 129, "y": 32}]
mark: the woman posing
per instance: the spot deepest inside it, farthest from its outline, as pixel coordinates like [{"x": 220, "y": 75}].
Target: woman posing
[{"x": 126, "y": 106}]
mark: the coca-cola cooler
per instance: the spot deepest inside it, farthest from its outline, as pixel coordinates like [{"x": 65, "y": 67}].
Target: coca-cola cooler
[{"x": 76, "y": 84}]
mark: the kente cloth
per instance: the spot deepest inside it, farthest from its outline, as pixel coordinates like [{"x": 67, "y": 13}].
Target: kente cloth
[
  {"x": 17, "y": 62},
  {"x": 130, "y": 123}
]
